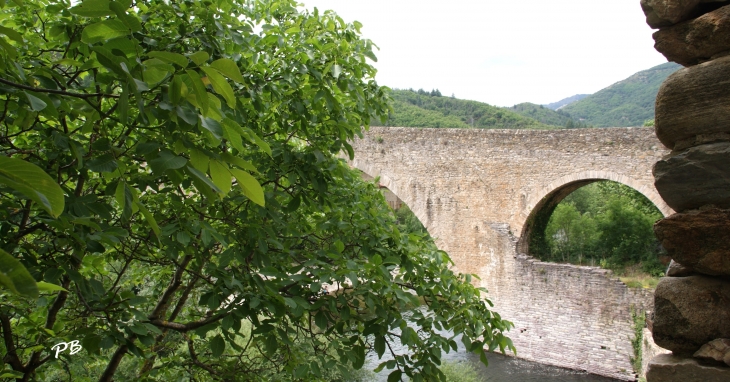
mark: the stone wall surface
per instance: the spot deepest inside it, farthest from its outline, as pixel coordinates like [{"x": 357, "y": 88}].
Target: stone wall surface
[{"x": 476, "y": 190}]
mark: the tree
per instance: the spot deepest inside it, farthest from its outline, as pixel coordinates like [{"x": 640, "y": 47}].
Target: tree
[{"x": 204, "y": 207}]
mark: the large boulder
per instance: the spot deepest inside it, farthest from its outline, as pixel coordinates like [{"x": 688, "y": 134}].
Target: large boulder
[
  {"x": 690, "y": 312},
  {"x": 670, "y": 368},
  {"x": 698, "y": 239},
  {"x": 717, "y": 350},
  {"x": 695, "y": 177},
  {"x": 694, "y": 101},
  {"x": 664, "y": 13},
  {"x": 695, "y": 41}
]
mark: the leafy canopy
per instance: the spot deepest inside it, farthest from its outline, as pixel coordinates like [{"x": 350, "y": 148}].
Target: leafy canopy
[{"x": 204, "y": 208}]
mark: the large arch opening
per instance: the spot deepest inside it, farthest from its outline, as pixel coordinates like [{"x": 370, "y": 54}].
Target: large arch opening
[{"x": 596, "y": 222}]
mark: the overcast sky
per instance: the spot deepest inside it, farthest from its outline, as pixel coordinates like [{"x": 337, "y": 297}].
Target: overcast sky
[{"x": 503, "y": 52}]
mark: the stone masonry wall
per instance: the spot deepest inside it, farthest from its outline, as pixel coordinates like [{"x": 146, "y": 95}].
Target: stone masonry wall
[{"x": 474, "y": 191}]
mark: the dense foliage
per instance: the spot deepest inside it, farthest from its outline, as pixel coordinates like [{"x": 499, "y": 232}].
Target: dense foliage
[
  {"x": 607, "y": 224},
  {"x": 414, "y": 109},
  {"x": 626, "y": 103},
  {"x": 202, "y": 207}
]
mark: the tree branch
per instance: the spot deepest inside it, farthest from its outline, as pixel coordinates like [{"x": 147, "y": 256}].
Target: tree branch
[{"x": 55, "y": 91}]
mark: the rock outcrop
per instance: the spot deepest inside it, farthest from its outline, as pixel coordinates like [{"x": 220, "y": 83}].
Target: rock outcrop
[
  {"x": 692, "y": 303},
  {"x": 690, "y": 312},
  {"x": 688, "y": 104},
  {"x": 699, "y": 240},
  {"x": 695, "y": 177},
  {"x": 667, "y": 367},
  {"x": 664, "y": 13},
  {"x": 717, "y": 350},
  {"x": 696, "y": 41}
]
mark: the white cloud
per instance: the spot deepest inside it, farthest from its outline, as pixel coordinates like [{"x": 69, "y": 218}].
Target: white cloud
[{"x": 503, "y": 52}]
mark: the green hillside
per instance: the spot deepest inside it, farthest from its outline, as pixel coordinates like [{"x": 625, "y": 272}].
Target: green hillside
[
  {"x": 430, "y": 109},
  {"x": 626, "y": 103},
  {"x": 541, "y": 114}
]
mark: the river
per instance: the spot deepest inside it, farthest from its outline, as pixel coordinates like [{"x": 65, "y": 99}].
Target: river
[{"x": 501, "y": 368}]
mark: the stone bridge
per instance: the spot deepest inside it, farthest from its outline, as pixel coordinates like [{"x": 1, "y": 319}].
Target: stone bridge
[{"x": 481, "y": 193}]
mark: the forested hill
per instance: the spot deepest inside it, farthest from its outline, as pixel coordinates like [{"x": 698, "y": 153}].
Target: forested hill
[
  {"x": 545, "y": 115},
  {"x": 565, "y": 101},
  {"x": 626, "y": 103},
  {"x": 430, "y": 109}
]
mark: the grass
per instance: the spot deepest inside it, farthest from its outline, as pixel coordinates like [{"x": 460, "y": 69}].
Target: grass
[{"x": 634, "y": 277}]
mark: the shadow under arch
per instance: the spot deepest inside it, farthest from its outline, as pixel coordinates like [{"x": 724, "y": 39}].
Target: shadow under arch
[{"x": 552, "y": 194}]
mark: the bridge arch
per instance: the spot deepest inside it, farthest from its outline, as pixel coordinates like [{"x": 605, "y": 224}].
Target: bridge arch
[
  {"x": 396, "y": 188},
  {"x": 541, "y": 204}
]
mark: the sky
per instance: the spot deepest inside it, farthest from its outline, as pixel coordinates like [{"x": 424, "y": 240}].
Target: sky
[{"x": 503, "y": 52}]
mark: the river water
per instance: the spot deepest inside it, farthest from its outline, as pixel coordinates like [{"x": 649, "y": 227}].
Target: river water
[{"x": 501, "y": 368}]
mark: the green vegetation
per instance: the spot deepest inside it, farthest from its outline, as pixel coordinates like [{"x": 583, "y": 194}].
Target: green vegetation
[
  {"x": 408, "y": 222},
  {"x": 607, "y": 224},
  {"x": 547, "y": 116},
  {"x": 565, "y": 101},
  {"x": 637, "y": 342},
  {"x": 423, "y": 109},
  {"x": 626, "y": 103},
  {"x": 194, "y": 145},
  {"x": 461, "y": 372}
]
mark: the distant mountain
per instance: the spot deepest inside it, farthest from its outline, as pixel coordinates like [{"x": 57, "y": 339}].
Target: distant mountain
[
  {"x": 626, "y": 103},
  {"x": 565, "y": 101},
  {"x": 430, "y": 109}
]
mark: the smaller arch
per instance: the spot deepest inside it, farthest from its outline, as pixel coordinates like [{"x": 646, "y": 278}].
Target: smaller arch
[{"x": 552, "y": 194}]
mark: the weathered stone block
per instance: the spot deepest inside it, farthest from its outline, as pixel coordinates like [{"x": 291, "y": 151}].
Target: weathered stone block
[
  {"x": 716, "y": 350},
  {"x": 694, "y": 101},
  {"x": 695, "y": 177},
  {"x": 698, "y": 239},
  {"x": 670, "y": 368},
  {"x": 695, "y": 41},
  {"x": 676, "y": 269},
  {"x": 663, "y": 13},
  {"x": 690, "y": 312}
]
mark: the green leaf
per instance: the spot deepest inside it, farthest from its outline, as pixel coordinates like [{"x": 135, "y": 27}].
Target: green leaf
[
  {"x": 220, "y": 85},
  {"x": 199, "y": 57},
  {"x": 104, "y": 163},
  {"x": 199, "y": 90},
  {"x": 250, "y": 186},
  {"x": 234, "y": 160},
  {"x": 173, "y": 58},
  {"x": 103, "y": 31},
  {"x": 336, "y": 70},
  {"x": 201, "y": 177},
  {"x": 92, "y": 8},
  {"x": 221, "y": 176},
  {"x": 36, "y": 104},
  {"x": 167, "y": 161},
  {"x": 380, "y": 345},
  {"x": 33, "y": 183},
  {"x": 13, "y": 35},
  {"x": 48, "y": 287},
  {"x": 228, "y": 68},
  {"x": 15, "y": 277},
  {"x": 217, "y": 345},
  {"x": 271, "y": 344},
  {"x": 394, "y": 376},
  {"x": 199, "y": 160},
  {"x": 150, "y": 219}
]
